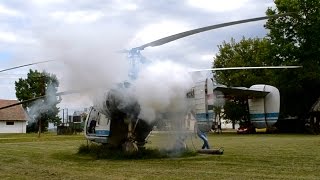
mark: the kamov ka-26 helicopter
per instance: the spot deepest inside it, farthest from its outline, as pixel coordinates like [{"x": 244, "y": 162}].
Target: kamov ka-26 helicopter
[{"x": 120, "y": 126}]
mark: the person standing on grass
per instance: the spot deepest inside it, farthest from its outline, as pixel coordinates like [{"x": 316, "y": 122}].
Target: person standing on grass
[{"x": 202, "y": 135}]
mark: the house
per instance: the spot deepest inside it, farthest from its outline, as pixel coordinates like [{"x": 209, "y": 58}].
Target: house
[{"x": 13, "y": 119}]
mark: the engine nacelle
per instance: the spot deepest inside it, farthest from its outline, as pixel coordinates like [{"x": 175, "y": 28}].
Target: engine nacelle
[{"x": 264, "y": 111}]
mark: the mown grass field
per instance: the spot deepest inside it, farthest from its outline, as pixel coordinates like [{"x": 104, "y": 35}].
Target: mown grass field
[{"x": 260, "y": 156}]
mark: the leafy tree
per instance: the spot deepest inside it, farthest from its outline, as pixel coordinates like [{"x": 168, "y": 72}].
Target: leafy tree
[
  {"x": 247, "y": 52},
  {"x": 236, "y": 111},
  {"x": 42, "y": 110},
  {"x": 292, "y": 40},
  {"x": 296, "y": 40},
  {"x": 218, "y": 103}
]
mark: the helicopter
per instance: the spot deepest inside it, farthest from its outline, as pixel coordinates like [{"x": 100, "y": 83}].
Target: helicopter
[{"x": 119, "y": 125}]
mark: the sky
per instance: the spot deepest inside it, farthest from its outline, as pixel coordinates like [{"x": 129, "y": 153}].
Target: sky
[{"x": 83, "y": 37}]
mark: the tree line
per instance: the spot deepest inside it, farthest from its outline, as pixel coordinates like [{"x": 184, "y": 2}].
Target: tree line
[{"x": 291, "y": 40}]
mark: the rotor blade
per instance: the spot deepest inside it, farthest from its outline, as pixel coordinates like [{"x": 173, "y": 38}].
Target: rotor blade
[
  {"x": 207, "y": 28},
  {"x": 40, "y": 97},
  {"x": 244, "y": 68},
  {"x": 22, "y": 102},
  {"x": 24, "y": 65}
]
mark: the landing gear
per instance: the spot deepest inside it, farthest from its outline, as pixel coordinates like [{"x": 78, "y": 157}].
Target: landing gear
[{"x": 130, "y": 146}]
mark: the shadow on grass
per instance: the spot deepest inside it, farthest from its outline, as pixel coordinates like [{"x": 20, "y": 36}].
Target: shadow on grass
[{"x": 104, "y": 152}]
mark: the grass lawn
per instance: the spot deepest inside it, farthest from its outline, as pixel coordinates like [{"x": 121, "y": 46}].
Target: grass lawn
[{"x": 259, "y": 156}]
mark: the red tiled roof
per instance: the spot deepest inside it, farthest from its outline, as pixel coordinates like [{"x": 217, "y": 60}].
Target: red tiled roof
[{"x": 15, "y": 113}]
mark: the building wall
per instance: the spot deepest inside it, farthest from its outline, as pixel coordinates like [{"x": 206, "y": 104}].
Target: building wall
[{"x": 17, "y": 127}]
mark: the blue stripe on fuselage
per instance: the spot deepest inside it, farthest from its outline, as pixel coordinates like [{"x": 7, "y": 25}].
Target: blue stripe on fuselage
[
  {"x": 262, "y": 116},
  {"x": 102, "y": 133},
  {"x": 203, "y": 116}
]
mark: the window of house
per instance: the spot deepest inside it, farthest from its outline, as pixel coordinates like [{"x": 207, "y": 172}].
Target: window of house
[{"x": 10, "y": 123}]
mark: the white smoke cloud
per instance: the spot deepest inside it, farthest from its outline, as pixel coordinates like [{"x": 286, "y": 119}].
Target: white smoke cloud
[
  {"x": 86, "y": 59},
  {"x": 162, "y": 87},
  {"x": 89, "y": 57},
  {"x": 160, "y": 90},
  {"x": 43, "y": 105}
]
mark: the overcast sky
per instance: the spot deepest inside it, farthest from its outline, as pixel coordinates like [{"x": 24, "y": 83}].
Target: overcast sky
[{"x": 82, "y": 36}]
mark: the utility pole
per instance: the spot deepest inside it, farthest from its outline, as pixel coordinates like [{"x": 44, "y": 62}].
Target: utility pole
[
  {"x": 62, "y": 117},
  {"x": 68, "y": 117}
]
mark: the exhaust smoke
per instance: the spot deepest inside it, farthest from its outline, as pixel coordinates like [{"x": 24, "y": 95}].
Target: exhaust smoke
[
  {"x": 44, "y": 105},
  {"x": 162, "y": 88},
  {"x": 91, "y": 62}
]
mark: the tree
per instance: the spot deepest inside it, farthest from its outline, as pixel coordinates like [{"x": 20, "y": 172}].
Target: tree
[
  {"x": 292, "y": 40},
  {"x": 247, "y": 52},
  {"x": 218, "y": 103},
  {"x": 295, "y": 40},
  {"x": 236, "y": 111},
  {"x": 42, "y": 110}
]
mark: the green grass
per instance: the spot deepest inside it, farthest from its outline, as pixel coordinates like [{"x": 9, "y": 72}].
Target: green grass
[
  {"x": 99, "y": 151},
  {"x": 259, "y": 156}
]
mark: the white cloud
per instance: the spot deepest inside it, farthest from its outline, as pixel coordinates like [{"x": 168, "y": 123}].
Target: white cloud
[
  {"x": 11, "y": 37},
  {"x": 47, "y": 2},
  {"x": 8, "y": 37},
  {"x": 218, "y": 5},
  {"x": 206, "y": 57},
  {"x": 77, "y": 16},
  {"x": 127, "y": 6},
  {"x": 9, "y": 12},
  {"x": 154, "y": 31}
]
